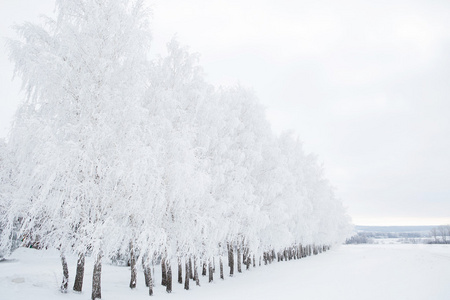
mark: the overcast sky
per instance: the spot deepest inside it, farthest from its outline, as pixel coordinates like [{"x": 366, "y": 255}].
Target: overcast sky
[{"x": 365, "y": 84}]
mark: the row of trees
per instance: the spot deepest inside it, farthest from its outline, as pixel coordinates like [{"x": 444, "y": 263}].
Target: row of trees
[
  {"x": 113, "y": 154},
  {"x": 440, "y": 234}
]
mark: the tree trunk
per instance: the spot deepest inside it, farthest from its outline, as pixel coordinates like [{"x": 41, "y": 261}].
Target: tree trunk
[
  {"x": 191, "y": 273},
  {"x": 254, "y": 261},
  {"x": 180, "y": 271},
  {"x": 146, "y": 270},
  {"x": 231, "y": 259},
  {"x": 247, "y": 258},
  {"x": 221, "y": 267},
  {"x": 133, "y": 267},
  {"x": 163, "y": 272},
  {"x": 150, "y": 286},
  {"x": 197, "y": 280},
  {"x": 238, "y": 254},
  {"x": 204, "y": 269},
  {"x": 65, "y": 280},
  {"x": 96, "y": 278},
  {"x": 186, "y": 275},
  {"x": 78, "y": 285},
  {"x": 147, "y": 275},
  {"x": 169, "y": 277},
  {"x": 210, "y": 271}
]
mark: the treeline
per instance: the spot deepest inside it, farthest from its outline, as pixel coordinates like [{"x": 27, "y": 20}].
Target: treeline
[
  {"x": 115, "y": 155},
  {"x": 368, "y": 237},
  {"x": 440, "y": 235},
  {"x": 359, "y": 238}
]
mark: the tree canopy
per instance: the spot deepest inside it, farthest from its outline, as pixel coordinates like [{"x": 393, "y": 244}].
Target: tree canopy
[{"x": 111, "y": 148}]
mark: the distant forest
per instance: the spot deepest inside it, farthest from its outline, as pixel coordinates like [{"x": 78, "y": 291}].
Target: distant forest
[{"x": 406, "y": 234}]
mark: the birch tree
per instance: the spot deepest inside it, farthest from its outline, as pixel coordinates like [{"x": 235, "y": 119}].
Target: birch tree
[{"x": 84, "y": 78}]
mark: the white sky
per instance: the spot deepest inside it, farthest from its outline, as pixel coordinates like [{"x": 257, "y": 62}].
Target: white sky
[{"x": 365, "y": 84}]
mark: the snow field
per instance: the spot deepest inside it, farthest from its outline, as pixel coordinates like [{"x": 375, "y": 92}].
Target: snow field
[{"x": 412, "y": 272}]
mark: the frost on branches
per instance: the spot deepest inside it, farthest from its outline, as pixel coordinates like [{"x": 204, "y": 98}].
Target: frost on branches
[{"x": 116, "y": 156}]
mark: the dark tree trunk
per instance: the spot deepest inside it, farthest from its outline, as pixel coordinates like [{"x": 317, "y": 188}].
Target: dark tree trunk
[
  {"x": 97, "y": 278},
  {"x": 210, "y": 271},
  {"x": 169, "y": 277},
  {"x": 78, "y": 285},
  {"x": 246, "y": 259},
  {"x": 147, "y": 275},
  {"x": 204, "y": 268},
  {"x": 186, "y": 275},
  {"x": 197, "y": 280},
  {"x": 150, "y": 282},
  {"x": 221, "y": 267},
  {"x": 146, "y": 269},
  {"x": 254, "y": 261},
  {"x": 191, "y": 274},
  {"x": 65, "y": 281},
  {"x": 180, "y": 271},
  {"x": 163, "y": 272},
  {"x": 238, "y": 254},
  {"x": 231, "y": 259},
  {"x": 150, "y": 287},
  {"x": 133, "y": 267}
]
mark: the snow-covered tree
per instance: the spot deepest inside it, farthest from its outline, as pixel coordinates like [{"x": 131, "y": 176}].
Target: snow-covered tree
[
  {"x": 112, "y": 154},
  {"x": 84, "y": 74}
]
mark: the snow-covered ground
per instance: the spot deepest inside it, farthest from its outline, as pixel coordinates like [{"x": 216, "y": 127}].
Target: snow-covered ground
[{"x": 348, "y": 272}]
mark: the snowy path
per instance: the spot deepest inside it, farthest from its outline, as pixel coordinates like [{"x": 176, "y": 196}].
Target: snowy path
[{"x": 349, "y": 272}]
